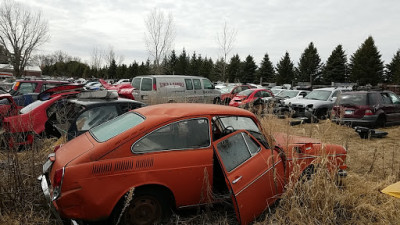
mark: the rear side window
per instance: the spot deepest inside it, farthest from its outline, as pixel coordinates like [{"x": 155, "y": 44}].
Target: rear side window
[
  {"x": 147, "y": 84},
  {"x": 25, "y": 88},
  {"x": 116, "y": 126},
  {"x": 136, "y": 83},
  {"x": 189, "y": 84},
  {"x": 186, "y": 134},
  {"x": 96, "y": 116},
  {"x": 48, "y": 86},
  {"x": 197, "y": 84},
  {"x": 353, "y": 99}
]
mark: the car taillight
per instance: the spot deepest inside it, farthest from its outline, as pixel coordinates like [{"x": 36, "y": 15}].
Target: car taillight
[
  {"x": 368, "y": 112},
  {"x": 57, "y": 147},
  {"x": 57, "y": 182},
  {"x": 154, "y": 84},
  {"x": 16, "y": 85}
]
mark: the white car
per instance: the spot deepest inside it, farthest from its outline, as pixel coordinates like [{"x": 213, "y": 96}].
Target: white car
[
  {"x": 319, "y": 102},
  {"x": 290, "y": 95}
]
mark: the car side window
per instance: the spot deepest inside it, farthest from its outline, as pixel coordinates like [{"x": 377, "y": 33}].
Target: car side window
[
  {"x": 186, "y": 134},
  {"x": 95, "y": 116},
  {"x": 335, "y": 94},
  {"x": 136, "y": 83},
  {"x": 189, "y": 84},
  {"x": 265, "y": 94},
  {"x": 386, "y": 98},
  {"x": 147, "y": 84},
  {"x": 197, "y": 84},
  {"x": 258, "y": 94},
  {"x": 25, "y": 88},
  {"x": 394, "y": 98},
  {"x": 235, "y": 150}
]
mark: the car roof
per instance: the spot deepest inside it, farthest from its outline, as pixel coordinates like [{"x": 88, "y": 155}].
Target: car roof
[
  {"x": 42, "y": 81},
  {"x": 177, "y": 110}
]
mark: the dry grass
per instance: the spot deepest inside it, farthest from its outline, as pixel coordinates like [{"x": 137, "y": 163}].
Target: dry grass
[{"x": 373, "y": 164}]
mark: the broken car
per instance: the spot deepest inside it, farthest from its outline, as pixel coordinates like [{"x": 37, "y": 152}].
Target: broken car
[{"x": 171, "y": 156}]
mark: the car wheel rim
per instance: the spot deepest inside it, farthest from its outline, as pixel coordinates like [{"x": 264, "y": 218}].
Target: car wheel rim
[{"x": 143, "y": 210}]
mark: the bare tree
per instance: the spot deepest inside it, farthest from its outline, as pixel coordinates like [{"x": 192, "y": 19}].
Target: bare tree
[
  {"x": 225, "y": 42},
  {"x": 21, "y": 32},
  {"x": 159, "y": 37},
  {"x": 96, "y": 59}
]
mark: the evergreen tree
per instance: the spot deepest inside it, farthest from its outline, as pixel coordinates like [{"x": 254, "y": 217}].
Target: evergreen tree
[
  {"x": 366, "y": 66},
  {"x": 309, "y": 67},
  {"x": 249, "y": 69},
  {"x": 171, "y": 63},
  {"x": 335, "y": 69},
  {"x": 393, "y": 69},
  {"x": 4, "y": 55},
  {"x": 266, "y": 70},
  {"x": 182, "y": 65},
  {"x": 112, "y": 70},
  {"x": 233, "y": 69},
  {"x": 195, "y": 65},
  {"x": 207, "y": 67},
  {"x": 217, "y": 71},
  {"x": 121, "y": 71},
  {"x": 285, "y": 70}
]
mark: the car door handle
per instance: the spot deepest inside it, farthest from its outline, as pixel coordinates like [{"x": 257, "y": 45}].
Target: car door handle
[{"x": 236, "y": 180}]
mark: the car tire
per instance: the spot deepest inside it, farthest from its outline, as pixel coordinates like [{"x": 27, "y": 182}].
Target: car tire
[
  {"x": 380, "y": 122},
  {"x": 217, "y": 101},
  {"x": 146, "y": 207}
]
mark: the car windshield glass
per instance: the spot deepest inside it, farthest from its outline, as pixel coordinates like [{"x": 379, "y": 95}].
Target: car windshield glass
[
  {"x": 31, "y": 106},
  {"x": 246, "y": 92},
  {"x": 116, "y": 126},
  {"x": 239, "y": 123},
  {"x": 319, "y": 95},
  {"x": 287, "y": 94},
  {"x": 353, "y": 99},
  {"x": 276, "y": 91},
  {"x": 226, "y": 89}
]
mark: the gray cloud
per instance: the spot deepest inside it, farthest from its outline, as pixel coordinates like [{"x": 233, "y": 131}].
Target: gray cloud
[{"x": 272, "y": 27}]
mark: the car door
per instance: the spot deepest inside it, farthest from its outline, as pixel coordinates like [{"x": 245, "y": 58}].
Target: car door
[
  {"x": 388, "y": 107},
  {"x": 253, "y": 176},
  {"x": 396, "y": 106},
  {"x": 198, "y": 90}
]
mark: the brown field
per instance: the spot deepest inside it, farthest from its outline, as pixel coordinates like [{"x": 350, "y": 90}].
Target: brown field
[{"x": 373, "y": 164}]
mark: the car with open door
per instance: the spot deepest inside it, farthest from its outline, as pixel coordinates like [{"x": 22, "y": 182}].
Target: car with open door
[{"x": 165, "y": 157}]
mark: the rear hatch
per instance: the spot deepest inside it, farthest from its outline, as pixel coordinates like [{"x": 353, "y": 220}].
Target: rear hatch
[{"x": 352, "y": 105}]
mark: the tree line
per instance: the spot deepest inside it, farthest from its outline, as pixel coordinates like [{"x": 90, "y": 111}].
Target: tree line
[{"x": 364, "y": 67}]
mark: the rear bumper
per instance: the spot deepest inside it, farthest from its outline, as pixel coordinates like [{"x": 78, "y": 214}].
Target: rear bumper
[{"x": 368, "y": 121}]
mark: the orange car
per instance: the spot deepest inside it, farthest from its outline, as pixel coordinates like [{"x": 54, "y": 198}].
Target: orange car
[{"x": 170, "y": 156}]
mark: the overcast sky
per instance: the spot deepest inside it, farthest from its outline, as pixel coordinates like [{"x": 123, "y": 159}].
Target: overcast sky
[{"x": 263, "y": 26}]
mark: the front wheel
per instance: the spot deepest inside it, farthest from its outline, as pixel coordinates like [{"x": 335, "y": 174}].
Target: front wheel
[
  {"x": 217, "y": 101},
  {"x": 146, "y": 208}
]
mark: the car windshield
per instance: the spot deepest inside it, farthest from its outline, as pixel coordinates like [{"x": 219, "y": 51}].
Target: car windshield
[
  {"x": 239, "y": 123},
  {"x": 352, "y": 99},
  {"x": 115, "y": 126},
  {"x": 226, "y": 90},
  {"x": 321, "y": 95},
  {"x": 31, "y": 106},
  {"x": 246, "y": 92},
  {"x": 276, "y": 91},
  {"x": 288, "y": 94}
]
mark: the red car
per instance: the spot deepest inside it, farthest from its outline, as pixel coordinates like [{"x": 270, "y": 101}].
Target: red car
[
  {"x": 251, "y": 95},
  {"x": 124, "y": 89},
  {"x": 140, "y": 165},
  {"x": 20, "y": 129},
  {"x": 34, "y": 86},
  {"x": 367, "y": 108},
  {"x": 229, "y": 92}
]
